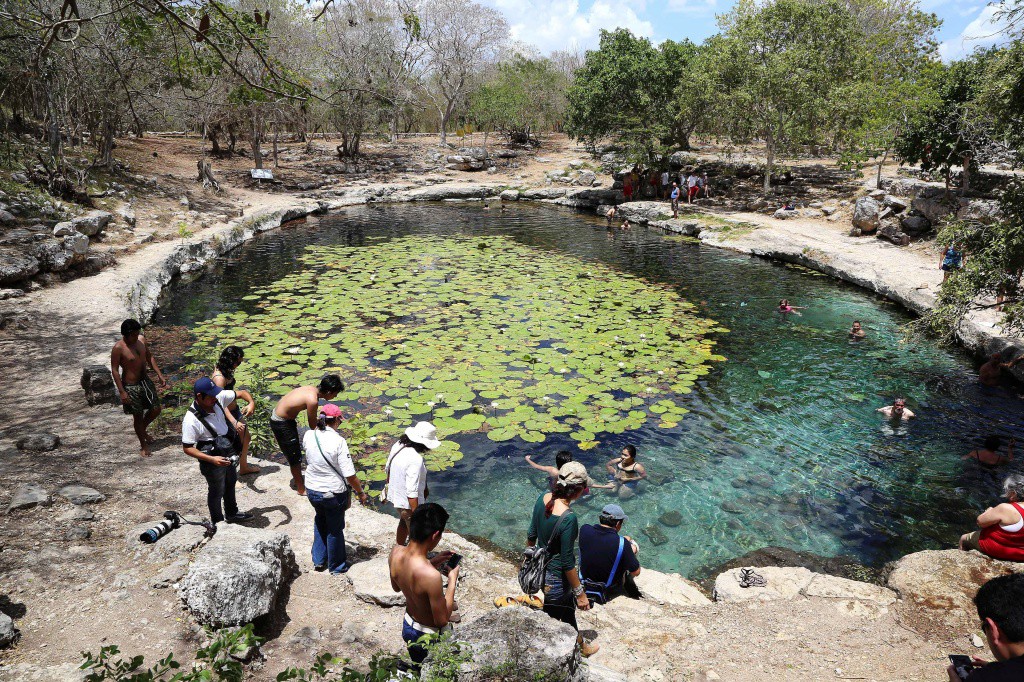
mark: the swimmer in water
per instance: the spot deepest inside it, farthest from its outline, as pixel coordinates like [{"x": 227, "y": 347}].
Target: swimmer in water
[
  {"x": 987, "y": 454},
  {"x": 786, "y": 309},
  {"x": 990, "y": 373},
  {"x": 563, "y": 457},
  {"x": 625, "y": 224},
  {"x": 626, "y": 468},
  {"x": 610, "y": 215},
  {"x": 857, "y": 332},
  {"x": 897, "y": 411}
]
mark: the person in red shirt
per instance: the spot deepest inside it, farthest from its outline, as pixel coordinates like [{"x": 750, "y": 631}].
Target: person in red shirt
[{"x": 1001, "y": 534}]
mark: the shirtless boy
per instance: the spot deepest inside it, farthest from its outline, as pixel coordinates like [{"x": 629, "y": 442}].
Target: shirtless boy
[
  {"x": 990, "y": 373},
  {"x": 286, "y": 429},
  {"x": 428, "y": 607},
  {"x": 898, "y": 410},
  {"x": 129, "y": 361}
]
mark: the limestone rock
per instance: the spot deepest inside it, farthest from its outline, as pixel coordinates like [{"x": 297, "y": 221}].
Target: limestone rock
[
  {"x": 7, "y": 218},
  {"x": 16, "y": 265},
  {"x": 938, "y": 586},
  {"x": 57, "y": 255},
  {"x": 892, "y": 233},
  {"x": 171, "y": 547},
  {"x": 170, "y": 575},
  {"x": 644, "y": 212},
  {"x": 783, "y": 214},
  {"x": 63, "y": 229},
  {"x": 371, "y": 581},
  {"x": 8, "y": 633},
  {"x": 127, "y": 215},
  {"x": 543, "y": 193},
  {"x": 447, "y": 191},
  {"x": 911, "y": 187},
  {"x": 897, "y": 204},
  {"x": 671, "y": 518},
  {"x": 92, "y": 223},
  {"x": 28, "y": 496},
  {"x": 669, "y": 589},
  {"x": 77, "y": 514},
  {"x": 865, "y": 214},
  {"x": 783, "y": 583},
  {"x": 237, "y": 577},
  {"x": 99, "y": 385},
  {"x": 510, "y": 195},
  {"x": 932, "y": 209},
  {"x": 38, "y": 442},
  {"x": 915, "y": 225},
  {"x": 10, "y": 293},
  {"x": 980, "y": 210},
  {"x": 538, "y": 646},
  {"x": 833, "y": 587},
  {"x": 595, "y": 672},
  {"x": 80, "y": 494}
]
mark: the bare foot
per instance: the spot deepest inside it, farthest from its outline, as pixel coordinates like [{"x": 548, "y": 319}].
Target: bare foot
[
  {"x": 150, "y": 439},
  {"x": 248, "y": 470},
  {"x": 301, "y": 493},
  {"x": 145, "y": 452}
]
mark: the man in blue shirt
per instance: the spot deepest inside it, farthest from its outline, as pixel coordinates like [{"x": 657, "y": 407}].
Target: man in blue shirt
[
  {"x": 674, "y": 195},
  {"x": 608, "y": 560}
]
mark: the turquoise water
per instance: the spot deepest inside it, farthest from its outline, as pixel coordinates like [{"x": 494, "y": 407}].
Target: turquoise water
[{"x": 798, "y": 458}]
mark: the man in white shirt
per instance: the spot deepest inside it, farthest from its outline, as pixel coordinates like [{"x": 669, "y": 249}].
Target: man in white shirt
[
  {"x": 207, "y": 419},
  {"x": 691, "y": 187},
  {"x": 665, "y": 180},
  {"x": 406, "y": 486}
]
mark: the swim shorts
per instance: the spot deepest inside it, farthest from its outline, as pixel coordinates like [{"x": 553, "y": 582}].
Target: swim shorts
[
  {"x": 286, "y": 433},
  {"x": 141, "y": 397}
]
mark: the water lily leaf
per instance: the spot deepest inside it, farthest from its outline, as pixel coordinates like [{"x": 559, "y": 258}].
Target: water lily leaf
[{"x": 764, "y": 374}]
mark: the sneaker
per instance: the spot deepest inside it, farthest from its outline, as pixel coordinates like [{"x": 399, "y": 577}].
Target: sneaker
[
  {"x": 240, "y": 516},
  {"x": 319, "y": 567},
  {"x": 342, "y": 569}
]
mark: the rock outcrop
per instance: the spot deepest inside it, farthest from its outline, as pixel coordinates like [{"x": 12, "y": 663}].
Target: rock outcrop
[
  {"x": 669, "y": 589},
  {"x": 371, "y": 581},
  {"x": 866, "y": 215},
  {"x": 28, "y": 496},
  {"x": 238, "y": 576},
  {"x": 92, "y": 223},
  {"x": 795, "y": 583},
  {"x": 528, "y": 643},
  {"x": 98, "y": 385},
  {"x": 16, "y": 266}
]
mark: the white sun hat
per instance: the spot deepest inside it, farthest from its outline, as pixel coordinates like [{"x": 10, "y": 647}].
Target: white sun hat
[{"x": 424, "y": 433}]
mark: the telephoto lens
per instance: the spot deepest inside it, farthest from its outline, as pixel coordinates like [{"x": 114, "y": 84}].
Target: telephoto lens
[{"x": 161, "y": 529}]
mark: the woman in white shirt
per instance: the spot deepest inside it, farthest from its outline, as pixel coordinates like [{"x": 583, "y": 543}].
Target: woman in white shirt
[
  {"x": 406, "y": 485},
  {"x": 330, "y": 478}
]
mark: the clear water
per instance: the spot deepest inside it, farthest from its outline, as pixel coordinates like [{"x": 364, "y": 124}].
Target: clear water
[{"x": 799, "y": 459}]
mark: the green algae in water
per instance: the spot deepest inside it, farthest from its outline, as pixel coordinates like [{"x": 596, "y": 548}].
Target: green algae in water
[{"x": 474, "y": 334}]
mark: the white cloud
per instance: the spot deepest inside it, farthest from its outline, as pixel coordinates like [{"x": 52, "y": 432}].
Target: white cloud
[
  {"x": 700, "y": 8},
  {"x": 563, "y": 24},
  {"x": 984, "y": 30}
]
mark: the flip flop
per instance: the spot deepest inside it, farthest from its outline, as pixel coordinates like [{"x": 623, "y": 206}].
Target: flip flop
[
  {"x": 531, "y": 600},
  {"x": 502, "y": 602}
]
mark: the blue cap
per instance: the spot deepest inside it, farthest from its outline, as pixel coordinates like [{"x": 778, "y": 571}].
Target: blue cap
[
  {"x": 614, "y": 511},
  {"x": 206, "y": 387}
]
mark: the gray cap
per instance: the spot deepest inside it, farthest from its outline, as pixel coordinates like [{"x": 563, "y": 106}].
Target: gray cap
[{"x": 614, "y": 511}]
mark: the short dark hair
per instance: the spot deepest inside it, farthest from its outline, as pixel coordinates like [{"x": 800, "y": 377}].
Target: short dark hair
[
  {"x": 631, "y": 449},
  {"x": 1002, "y": 600},
  {"x": 130, "y": 326},
  {"x": 607, "y": 520},
  {"x": 562, "y": 457},
  {"x": 993, "y": 443},
  {"x": 331, "y": 383},
  {"x": 428, "y": 519}
]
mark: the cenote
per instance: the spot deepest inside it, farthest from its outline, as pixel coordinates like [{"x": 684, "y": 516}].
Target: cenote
[{"x": 758, "y": 430}]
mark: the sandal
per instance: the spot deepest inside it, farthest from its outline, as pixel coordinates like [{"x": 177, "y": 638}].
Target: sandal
[
  {"x": 531, "y": 600},
  {"x": 502, "y": 602}
]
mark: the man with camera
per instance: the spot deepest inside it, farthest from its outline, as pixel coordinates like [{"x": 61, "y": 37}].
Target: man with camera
[
  {"x": 1000, "y": 604},
  {"x": 209, "y": 432}
]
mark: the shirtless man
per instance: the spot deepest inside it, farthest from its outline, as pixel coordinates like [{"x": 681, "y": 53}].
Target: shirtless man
[
  {"x": 857, "y": 332},
  {"x": 286, "y": 429},
  {"x": 898, "y": 410},
  {"x": 428, "y": 607},
  {"x": 128, "y": 363},
  {"x": 990, "y": 373}
]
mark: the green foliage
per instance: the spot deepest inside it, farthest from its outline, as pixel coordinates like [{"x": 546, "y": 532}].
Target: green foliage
[
  {"x": 214, "y": 662},
  {"x": 624, "y": 92},
  {"x": 1003, "y": 93},
  {"x": 523, "y": 96},
  {"x": 505, "y": 340}
]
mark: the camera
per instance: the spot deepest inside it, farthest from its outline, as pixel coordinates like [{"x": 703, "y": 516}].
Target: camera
[
  {"x": 170, "y": 522},
  {"x": 234, "y": 460}
]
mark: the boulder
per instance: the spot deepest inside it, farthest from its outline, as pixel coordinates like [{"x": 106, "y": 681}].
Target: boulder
[
  {"x": 6, "y": 217},
  {"x": 892, "y": 233},
  {"x": 509, "y": 195},
  {"x": 63, "y": 229},
  {"x": 783, "y": 583},
  {"x": 92, "y": 223},
  {"x": 238, "y": 576},
  {"x": 644, "y": 211},
  {"x": 127, "y": 215},
  {"x": 911, "y": 187},
  {"x": 915, "y": 225},
  {"x": 938, "y": 586},
  {"x": 586, "y": 178},
  {"x": 980, "y": 210},
  {"x": 533, "y": 644},
  {"x": 80, "y": 494},
  {"x": 932, "y": 209},
  {"x": 77, "y": 513},
  {"x": 16, "y": 265},
  {"x": 57, "y": 255},
  {"x": 99, "y": 386},
  {"x": 464, "y": 163},
  {"x": 865, "y": 215},
  {"x": 38, "y": 442},
  {"x": 897, "y": 204},
  {"x": 177, "y": 544},
  {"x": 28, "y": 496},
  {"x": 371, "y": 581},
  {"x": 783, "y": 214},
  {"x": 669, "y": 589},
  {"x": 8, "y": 633},
  {"x": 11, "y": 293}
]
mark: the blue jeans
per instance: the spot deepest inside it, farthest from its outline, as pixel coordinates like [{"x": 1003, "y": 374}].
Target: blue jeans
[
  {"x": 558, "y": 600},
  {"x": 220, "y": 482},
  {"x": 329, "y": 529}
]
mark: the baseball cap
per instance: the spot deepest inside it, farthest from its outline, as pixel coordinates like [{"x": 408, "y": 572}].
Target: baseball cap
[
  {"x": 331, "y": 411},
  {"x": 206, "y": 387},
  {"x": 572, "y": 473},
  {"x": 614, "y": 511}
]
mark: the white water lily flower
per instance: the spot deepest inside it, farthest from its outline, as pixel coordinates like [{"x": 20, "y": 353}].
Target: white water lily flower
[
  {"x": 643, "y": 336},
  {"x": 420, "y": 387},
  {"x": 407, "y": 404},
  {"x": 622, "y": 364},
  {"x": 431, "y": 404},
  {"x": 373, "y": 438},
  {"x": 494, "y": 404},
  {"x": 564, "y": 370},
  {"x": 439, "y": 396},
  {"x": 660, "y": 372}
]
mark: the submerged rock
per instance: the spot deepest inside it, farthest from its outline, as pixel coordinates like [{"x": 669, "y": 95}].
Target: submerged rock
[
  {"x": 655, "y": 534},
  {"x": 671, "y": 518}
]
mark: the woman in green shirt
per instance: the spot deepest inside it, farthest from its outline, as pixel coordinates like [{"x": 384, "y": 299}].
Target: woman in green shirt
[{"x": 563, "y": 592}]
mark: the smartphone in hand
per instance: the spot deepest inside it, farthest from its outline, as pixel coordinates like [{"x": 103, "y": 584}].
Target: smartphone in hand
[
  {"x": 454, "y": 560},
  {"x": 963, "y": 665}
]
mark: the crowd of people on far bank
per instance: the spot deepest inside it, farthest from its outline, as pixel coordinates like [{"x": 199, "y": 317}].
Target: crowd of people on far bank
[{"x": 214, "y": 432}]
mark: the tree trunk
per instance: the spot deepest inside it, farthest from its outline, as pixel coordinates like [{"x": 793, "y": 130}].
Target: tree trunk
[
  {"x": 107, "y": 143},
  {"x": 275, "y": 144},
  {"x": 256, "y": 134},
  {"x": 768, "y": 166},
  {"x": 393, "y": 129},
  {"x": 878, "y": 177},
  {"x": 444, "y": 128},
  {"x": 966, "y": 184},
  {"x": 206, "y": 174}
]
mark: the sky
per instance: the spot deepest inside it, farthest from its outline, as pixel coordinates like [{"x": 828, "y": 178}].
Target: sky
[{"x": 559, "y": 24}]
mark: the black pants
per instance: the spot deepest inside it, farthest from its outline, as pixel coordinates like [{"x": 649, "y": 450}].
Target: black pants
[{"x": 220, "y": 483}]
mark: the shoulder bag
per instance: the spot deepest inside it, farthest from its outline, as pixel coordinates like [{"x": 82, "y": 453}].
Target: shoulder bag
[{"x": 536, "y": 560}]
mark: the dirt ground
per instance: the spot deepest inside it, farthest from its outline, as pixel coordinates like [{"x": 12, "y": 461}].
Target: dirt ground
[{"x": 71, "y": 593}]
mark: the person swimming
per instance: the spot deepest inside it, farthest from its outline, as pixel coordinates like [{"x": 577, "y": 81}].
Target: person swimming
[
  {"x": 897, "y": 411},
  {"x": 563, "y": 457},
  {"x": 625, "y": 468},
  {"x": 988, "y": 456},
  {"x": 786, "y": 309},
  {"x": 857, "y": 333}
]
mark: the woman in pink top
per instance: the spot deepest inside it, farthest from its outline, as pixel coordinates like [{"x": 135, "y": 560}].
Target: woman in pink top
[{"x": 785, "y": 308}]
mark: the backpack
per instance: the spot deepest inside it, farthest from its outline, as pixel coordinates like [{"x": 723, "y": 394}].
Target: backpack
[
  {"x": 228, "y": 445},
  {"x": 535, "y": 561},
  {"x": 598, "y": 592}
]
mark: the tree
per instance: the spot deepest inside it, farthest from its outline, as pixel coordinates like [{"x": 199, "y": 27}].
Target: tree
[
  {"x": 780, "y": 72},
  {"x": 624, "y": 92},
  {"x": 523, "y": 95},
  {"x": 462, "y": 37}
]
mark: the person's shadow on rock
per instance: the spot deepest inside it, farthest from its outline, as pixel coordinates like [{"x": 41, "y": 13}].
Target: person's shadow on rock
[
  {"x": 260, "y": 520},
  {"x": 250, "y": 480}
]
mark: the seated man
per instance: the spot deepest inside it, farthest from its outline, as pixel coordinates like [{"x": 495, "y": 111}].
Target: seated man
[
  {"x": 608, "y": 560},
  {"x": 428, "y": 607},
  {"x": 1000, "y": 604}
]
